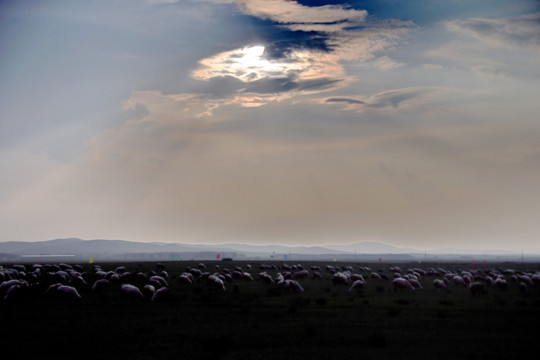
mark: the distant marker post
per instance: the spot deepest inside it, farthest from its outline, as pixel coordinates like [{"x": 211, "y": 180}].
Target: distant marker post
[
  {"x": 218, "y": 256},
  {"x": 91, "y": 260}
]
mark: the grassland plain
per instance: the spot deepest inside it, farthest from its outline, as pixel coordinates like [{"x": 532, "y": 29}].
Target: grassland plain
[{"x": 254, "y": 320}]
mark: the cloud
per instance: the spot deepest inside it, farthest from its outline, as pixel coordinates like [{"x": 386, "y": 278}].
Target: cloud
[
  {"x": 251, "y": 64},
  {"x": 344, "y": 100},
  {"x": 309, "y": 56},
  {"x": 292, "y": 14},
  {"x": 432, "y": 66},
  {"x": 497, "y": 48},
  {"x": 504, "y": 32},
  {"x": 386, "y": 63},
  {"x": 393, "y": 100},
  {"x": 487, "y": 70}
]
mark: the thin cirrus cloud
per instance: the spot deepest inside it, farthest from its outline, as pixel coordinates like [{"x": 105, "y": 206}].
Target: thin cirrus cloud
[
  {"x": 516, "y": 31},
  {"x": 495, "y": 47}
]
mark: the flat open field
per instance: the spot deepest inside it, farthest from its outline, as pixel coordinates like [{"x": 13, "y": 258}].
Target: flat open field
[{"x": 256, "y": 320}]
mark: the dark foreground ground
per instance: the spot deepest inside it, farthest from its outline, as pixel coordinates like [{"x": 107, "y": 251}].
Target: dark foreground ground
[{"x": 259, "y": 322}]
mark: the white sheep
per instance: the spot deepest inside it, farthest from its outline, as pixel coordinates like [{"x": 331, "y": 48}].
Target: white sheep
[
  {"x": 439, "y": 284},
  {"x": 247, "y": 276},
  {"x": 148, "y": 291},
  {"x": 414, "y": 282},
  {"x": 340, "y": 278},
  {"x": 160, "y": 294},
  {"x": 68, "y": 292},
  {"x": 355, "y": 277},
  {"x": 401, "y": 283},
  {"x": 291, "y": 285},
  {"x": 266, "y": 278},
  {"x": 458, "y": 280},
  {"x": 100, "y": 284},
  {"x": 158, "y": 281},
  {"x": 300, "y": 274},
  {"x": 476, "y": 287},
  {"x": 131, "y": 291},
  {"x": 501, "y": 283},
  {"x": 4, "y": 287},
  {"x": 375, "y": 276},
  {"x": 217, "y": 282},
  {"x": 357, "y": 285},
  {"x": 185, "y": 278}
]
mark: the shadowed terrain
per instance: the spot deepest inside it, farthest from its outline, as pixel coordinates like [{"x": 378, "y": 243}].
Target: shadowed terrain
[{"x": 258, "y": 320}]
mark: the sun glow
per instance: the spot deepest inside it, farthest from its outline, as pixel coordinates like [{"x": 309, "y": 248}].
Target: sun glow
[{"x": 249, "y": 64}]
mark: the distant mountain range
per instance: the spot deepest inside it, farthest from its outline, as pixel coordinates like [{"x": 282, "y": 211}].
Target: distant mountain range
[{"x": 100, "y": 249}]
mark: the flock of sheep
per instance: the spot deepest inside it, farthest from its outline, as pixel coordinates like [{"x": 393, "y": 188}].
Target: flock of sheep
[{"x": 66, "y": 282}]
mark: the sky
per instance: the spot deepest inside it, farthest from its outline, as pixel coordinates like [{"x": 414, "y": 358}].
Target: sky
[{"x": 415, "y": 123}]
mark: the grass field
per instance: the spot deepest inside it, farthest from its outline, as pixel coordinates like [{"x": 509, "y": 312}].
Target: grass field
[{"x": 257, "y": 321}]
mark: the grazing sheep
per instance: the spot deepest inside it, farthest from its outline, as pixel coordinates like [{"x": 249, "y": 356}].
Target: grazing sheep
[
  {"x": 217, "y": 282},
  {"x": 113, "y": 278},
  {"x": 247, "y": 276},
  {"x": 375, "y": 276},
  {"x": 414, "y": 282},
  {"x": 290, "y": 285},
  {"x": 159, "y": 281},
  {"x": 131, "y": 291},
  {"x": 186, "y": 278},
  {"x": 525, "y": 279},
  {"x": 401, "y": 283},
  {"x": 355, "y": 277},
  {"x": 6, "y": 285},
  {"x": 266, "y": 278},
  {"x": 300, "y": 274},
  {"x": 196, "y": 272},
  {"x": 201, "y": 266},
  {"x": 100, "y": 284},
  {"x": 477, "y": 288},
  {"x": 148, "y": 291},
  {"x": 160, "y": 294},
  {"x": 458, "y": 280},
  {"x": 295, "y": 286},
  {"x": 357, "y": 285},
  {"x": 439, "y": 284},
  {"x": 140, "y": 276},
  {"x": 340, "y": 278},
  {"x": 523, "y": 287},
  {"x": 317, "y": 275},
  {"x": 501, "y": 283},
  {"x": 13, "y": 293},
  {"x": 68, "y": 293}
]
